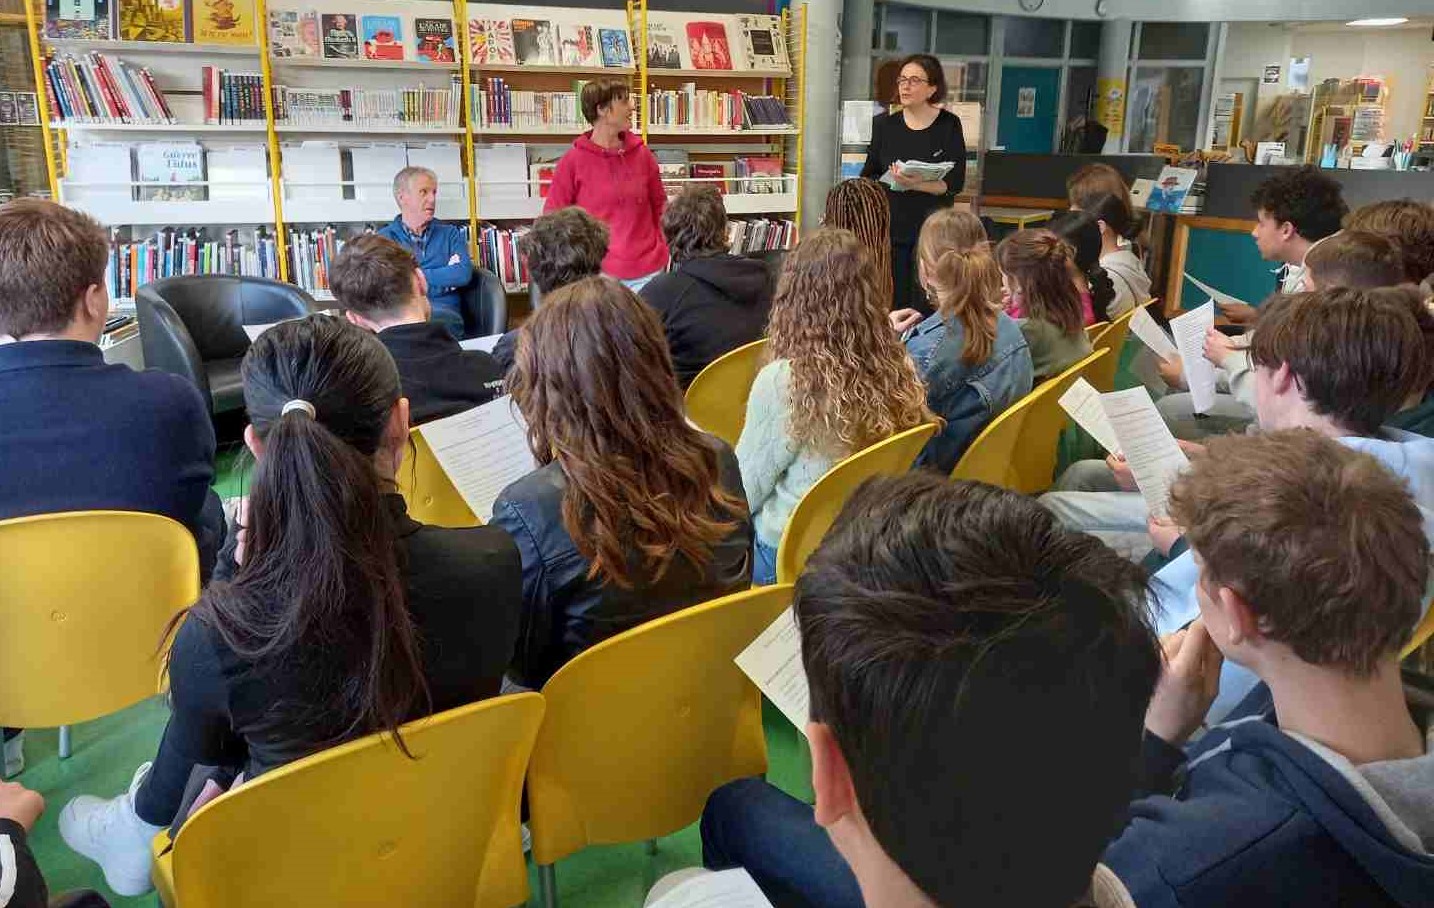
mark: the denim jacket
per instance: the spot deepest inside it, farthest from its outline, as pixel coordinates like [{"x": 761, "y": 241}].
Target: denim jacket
[{"x": 967, "y": 397}]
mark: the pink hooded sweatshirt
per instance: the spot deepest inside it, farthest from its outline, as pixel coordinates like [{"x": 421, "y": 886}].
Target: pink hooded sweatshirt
[{"x": 623, "y": 189}]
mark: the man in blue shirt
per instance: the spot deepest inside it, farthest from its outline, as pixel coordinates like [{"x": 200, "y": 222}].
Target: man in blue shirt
[{"x": 441, "y": 249}]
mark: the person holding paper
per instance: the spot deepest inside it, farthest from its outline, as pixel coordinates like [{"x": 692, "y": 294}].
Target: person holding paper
[
  {"x": 972, "y": 356},
  {"x": 1313, "y": 567},
  {"x": 936, "y": 619},
  {"x": 1294, "y": 210},
  {"x": 380, "y": 287},
  {"x": 334, "y": 615},
  {"x": 441, "y": 249},
  {"x": 922, "y": 130},
  {"x": 838, "y": 381},
  {"x": 1038, "y": 278},
  {"x": 632, "y": 513}
]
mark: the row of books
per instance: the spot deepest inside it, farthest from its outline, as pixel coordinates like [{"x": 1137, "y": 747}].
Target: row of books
[
  {"x": 232, "y": 98},
  {"x": 694, "y": 108},
  {"x": 498, "y": 253},
  {"x": 496, "y": 104},
  {"x": 98, "y": 89},
  {"x": 136, "y": 262},
  {"x": 748, "y": 174},
  {"x": 414, "y": 106},
  {"x": 761, "y": 235},
  {"x": 311, "y": 252},
  {"x": 198, "y": 21}
]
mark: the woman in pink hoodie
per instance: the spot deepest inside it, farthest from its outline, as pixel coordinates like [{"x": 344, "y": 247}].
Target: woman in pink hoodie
[{"x": 612, "y": 175}]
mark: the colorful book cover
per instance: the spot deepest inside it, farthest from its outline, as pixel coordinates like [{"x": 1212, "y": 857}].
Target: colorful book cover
[
  {"x": 492, "y": 41},
  {"x": 293, "y": 33},
  {"x": 1170, "y": 189},
  {"x": 434, "y": 40},
  {"x": 711, "y": 171},
  {"x": 707, "y": 45},
  {"x": 662, "y": 49},
  {"x": 224, "y": 22},
  {"x": 576, "y": 46},
  {"x": 533, "y": 41},
  {"x": 155, "y": 20},
  {"x": 763, "y": 41},
  {"x": 88, "y": 19},
  {"x": 541, "y": 179},
  {"x": 340, "y": 36},
  {"x": 615, "y": 48},
  {"x": 174, "y": 164},
  {"x": 382, "y": 38}
]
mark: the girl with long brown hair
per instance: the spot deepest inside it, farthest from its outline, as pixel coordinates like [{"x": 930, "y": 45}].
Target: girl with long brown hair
[
  {"x": 1038, "y": 271},
  {"x": 632, "y": 513},
  {"x": 973, "y": 357},
  {"x": 838, "y": 381}
]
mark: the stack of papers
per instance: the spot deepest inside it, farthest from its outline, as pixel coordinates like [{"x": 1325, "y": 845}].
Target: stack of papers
[
  {"x": 483, "y": 451},
  {"x": 921, "y": 170},
  {"x": 1127, "y": 423}
]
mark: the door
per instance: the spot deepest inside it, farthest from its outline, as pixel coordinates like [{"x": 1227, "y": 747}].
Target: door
[{"x": 1026, "y": 120}]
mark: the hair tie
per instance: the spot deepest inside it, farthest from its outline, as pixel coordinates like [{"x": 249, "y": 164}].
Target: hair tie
[{"x": 299, "y": 405}]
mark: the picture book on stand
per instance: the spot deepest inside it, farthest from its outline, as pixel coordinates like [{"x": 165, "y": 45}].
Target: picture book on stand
[
  {"x": 576, "y": 46},
  {"x": 533, "y": 41},
  {"x": 172, "y": 164},
  {"x": 492, "y": 42},
  {"x": 615, "y": 49},
  {"x": 662, "y": 49},
  {"x": 707, "y": 45},
  {"x": 224, "y": 22},
  {"x": 382, "y": 38},
  {"x": 293, "y": 34},
  {"x": 763, "y": 41},
  {"x": 433, "y": 39},
  {"x": 87, "y": 19},
  {"x": 155, "y": 20},
  {"x": 340, "y": 36}
]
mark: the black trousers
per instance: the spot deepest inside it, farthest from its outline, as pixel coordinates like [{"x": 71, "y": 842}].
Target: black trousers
[{"x": 907, "y": 292}]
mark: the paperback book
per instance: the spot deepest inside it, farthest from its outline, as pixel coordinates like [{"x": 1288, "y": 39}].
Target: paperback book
[
  {"x": 87, "y": 19},
  {"x": 224, "y": 22},
  {"x": 155, "y": 20},
  {"x": 293, "y": 34},
  {"x": 662, "y": 49},
  {"x": 434, "y": 40},
  {"x": 763, "y": 41},
  {"x": 576, "y": 46},
  {"x": 707, "y": 45},
  {"x": 382, "y": 38},
  {"x": 533, "y": 41},
  {"x": 492, "y": 41},
  {"x": 340, "y": 39},
  {"x": 615, "y": 49},
  {"x": 177, "y": 166}
]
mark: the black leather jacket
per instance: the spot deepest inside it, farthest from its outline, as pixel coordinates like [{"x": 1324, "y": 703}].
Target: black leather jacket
[{"x": 564, "y": 612}]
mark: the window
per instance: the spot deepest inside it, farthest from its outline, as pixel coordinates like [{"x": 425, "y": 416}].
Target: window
[
  {"x": 1085, "y": 40},
  {"x": 1164, "y": 106},
  {"x": 906, "y": 30},
  {"x": 965, "y": 81},
  {"x": 1173, "y": 40},
  {"x": 1035, "y": 37},
  {"x": 960, "y": 34}
]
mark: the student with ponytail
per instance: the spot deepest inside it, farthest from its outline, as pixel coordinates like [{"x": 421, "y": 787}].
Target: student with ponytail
[
  {"x": 1037, "y": 273},
  {"x": 1117, "y": 225},
  {"x": 1082, "y": 232},
  {"x": 973, "y": 356},
  {"x": 333, "y": 615}
]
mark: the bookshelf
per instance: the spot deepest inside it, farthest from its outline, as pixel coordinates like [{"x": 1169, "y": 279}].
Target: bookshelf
[{"x": 274, "y": 204}]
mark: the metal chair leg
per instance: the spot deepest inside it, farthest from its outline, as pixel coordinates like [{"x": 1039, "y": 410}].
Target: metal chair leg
[
  {"x": 651, "y": 848},
  {"x": 64, "y": 742},
  {"x": 548, "y": 885}
]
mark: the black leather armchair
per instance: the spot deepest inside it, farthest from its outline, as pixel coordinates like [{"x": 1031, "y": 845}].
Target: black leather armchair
[
  {"x": 193, "y": 326},
  {"x": 485, "y": 305}
]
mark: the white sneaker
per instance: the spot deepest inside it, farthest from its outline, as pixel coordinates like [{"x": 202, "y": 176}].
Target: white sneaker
[
  {"x": 15, "y": 756},
  {"x": 112, "y": 835}
]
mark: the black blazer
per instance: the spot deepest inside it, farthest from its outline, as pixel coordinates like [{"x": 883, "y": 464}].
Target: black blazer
[
  {"x": 564, "y": 612},
  {"x": 439, "y": 377}
]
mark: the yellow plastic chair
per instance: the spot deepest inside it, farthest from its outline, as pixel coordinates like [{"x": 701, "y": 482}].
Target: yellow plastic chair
[
  {"x": 1017, "y": 449},
  {"x": 429, "y": 494},
  {"x": 362, "y": 824},
  {"x": 814, "y": 514},
  {"x": 717, "y": 398},
  {"x": 1422, "y": 632},
  {"x": 641, "y": 728},
  {"x": 1111, "y": 338},
  {"x": 1093, "y": 331},
  {"x": 85, "y": 598}
]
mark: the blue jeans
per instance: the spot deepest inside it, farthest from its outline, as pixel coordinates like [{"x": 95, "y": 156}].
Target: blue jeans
[
  {"x": 764, "y": 564},
  {"x": 751, "y": 824}
]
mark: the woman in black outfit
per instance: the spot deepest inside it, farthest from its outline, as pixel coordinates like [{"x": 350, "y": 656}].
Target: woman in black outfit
[
  {"x": 919, "y": 131},
  {"x": 335, "y": 615}
]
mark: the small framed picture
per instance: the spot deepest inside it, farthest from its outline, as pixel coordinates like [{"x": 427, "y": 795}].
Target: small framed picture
[
  {"x": 9, "y": 115},
  {"x": 27, "y": 108}
]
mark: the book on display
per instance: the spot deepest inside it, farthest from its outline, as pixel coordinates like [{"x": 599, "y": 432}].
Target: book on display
[
  {"x": 533, "y": 42},
  {"x": 293, "y": 34},
  {"x": 707, "y": 46},
  {"x": 763, "y": 41},
  {"x": 615, "y": 49},
  {"x": 340, "y": 36},
  {"x": 433, "y": 40},
  {"x": 576, "y": 45},
  {"x": 382, "y": 38},
  {"x": 155, "y": 20},
  {"x": 169, "y": 171},
  {"x": 83, "y": 19},
  {"x": 224, "y": 22}
]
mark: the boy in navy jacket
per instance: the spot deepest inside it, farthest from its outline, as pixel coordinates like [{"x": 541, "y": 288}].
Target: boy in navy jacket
[{"x": 1318, "y": 790}]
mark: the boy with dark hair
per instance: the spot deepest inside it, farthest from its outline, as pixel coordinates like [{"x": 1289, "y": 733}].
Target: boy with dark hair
[
  {"x": 380, "y": 287},
  {"x": 1294, "y": 210},
  {"x": 1313, "y": 565},
  {"x": 931, "y": 616}
]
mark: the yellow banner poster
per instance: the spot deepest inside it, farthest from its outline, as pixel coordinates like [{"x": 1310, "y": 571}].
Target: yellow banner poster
[{"x": 1110, "y": 105}]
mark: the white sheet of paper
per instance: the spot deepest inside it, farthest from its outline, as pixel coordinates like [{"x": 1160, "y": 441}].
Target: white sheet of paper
[
  {"x": 1190, "y": 330},
  {"x": 486, "y": 344},
  {"x": 722, "y": 889},
  {"x": 1143, "y": 326},
  {"x": 482, "y": 450},
  {"x": 774, "y": 663},
  {"x": 1154, "y": 457},
  {"x": 1211, "y": 292},
  {"x": 1082, "y": 402},
  {"x": 255, "y": 330}
]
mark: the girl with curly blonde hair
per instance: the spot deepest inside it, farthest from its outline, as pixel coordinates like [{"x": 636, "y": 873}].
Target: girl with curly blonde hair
[{"x": 838, "y": 381}]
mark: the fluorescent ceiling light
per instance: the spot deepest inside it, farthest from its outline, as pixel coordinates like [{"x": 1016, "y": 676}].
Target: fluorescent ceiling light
[{"x": 1376, "y": 23}]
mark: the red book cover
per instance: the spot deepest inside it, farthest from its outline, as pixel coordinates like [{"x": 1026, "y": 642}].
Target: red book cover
[{"x": 710, "y": 171}]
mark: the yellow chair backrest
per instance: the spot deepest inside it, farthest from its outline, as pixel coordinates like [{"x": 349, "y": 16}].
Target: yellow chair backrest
[
  {"x": 641, "y": 728},
  {"x": 814, "y": 514},
  {"x": 1093, "y": 331},
  {"x": 1111, "y": 338},
  {"x": 717, "y": 398},
  {"x": 85, "y": 598},
  {"x": 1422, "y": 632},
  {"x": 1017, "y": 449},
  {"x": 362, "y": 824},
  {"x": 430, "y": 495}
]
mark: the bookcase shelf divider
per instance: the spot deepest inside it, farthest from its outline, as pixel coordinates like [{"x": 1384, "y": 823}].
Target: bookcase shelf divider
[{"x": 276, "y": 161}]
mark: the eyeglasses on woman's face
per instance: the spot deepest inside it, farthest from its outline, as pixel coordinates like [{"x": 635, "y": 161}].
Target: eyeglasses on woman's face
[{"x": 912, "y": 81}]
